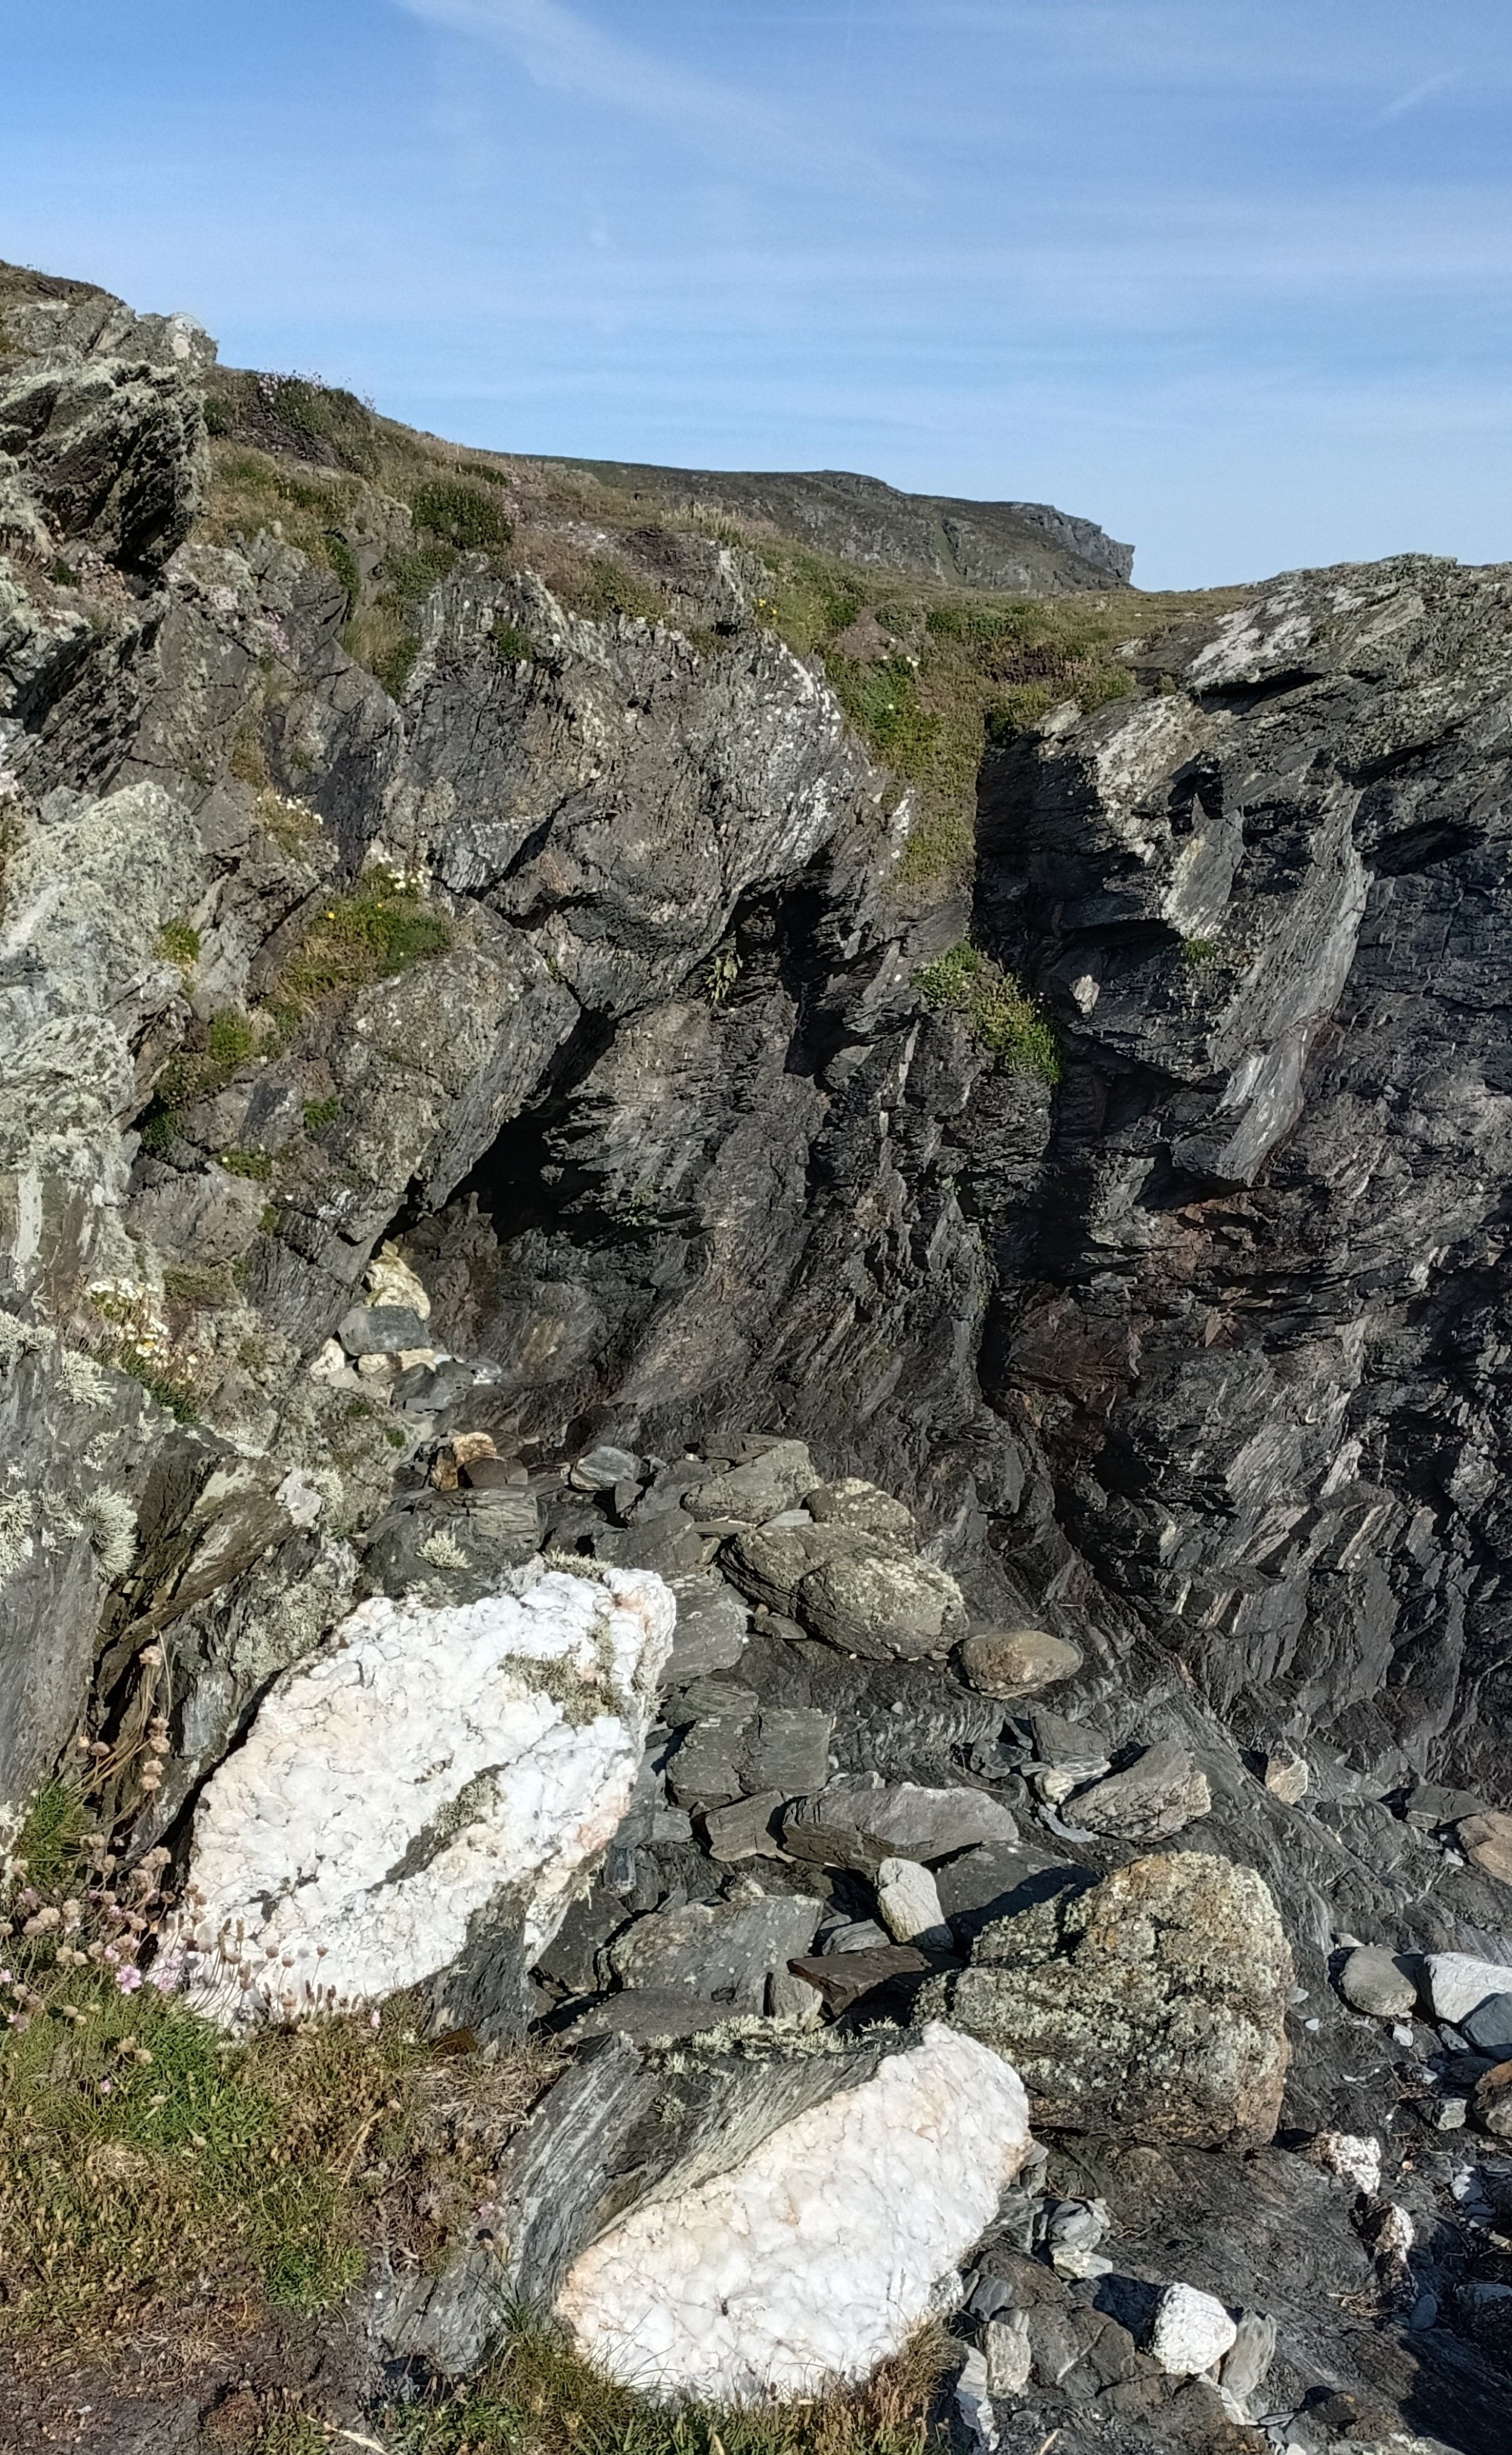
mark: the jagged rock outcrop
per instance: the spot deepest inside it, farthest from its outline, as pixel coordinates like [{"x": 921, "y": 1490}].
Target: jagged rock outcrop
[{"x": 502, "y": 1112}]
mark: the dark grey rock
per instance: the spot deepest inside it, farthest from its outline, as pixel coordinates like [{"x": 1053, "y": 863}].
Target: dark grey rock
[
  {"x": 1488, "y": 2028},
  {"x": 382, "y": 1330},
  {"x": 712, "y": 1624},
  {"x": 602, "y": 1469},
  {"x": 853, "y": 1824}
]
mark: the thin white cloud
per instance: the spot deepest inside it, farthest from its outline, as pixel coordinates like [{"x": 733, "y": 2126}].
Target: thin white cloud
[
  {"x": 566, "y": 53},
  {"x": 1419, "y": 94}
]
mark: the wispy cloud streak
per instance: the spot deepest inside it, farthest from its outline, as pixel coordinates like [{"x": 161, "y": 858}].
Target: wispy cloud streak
[{"x": 565, "y": 52}]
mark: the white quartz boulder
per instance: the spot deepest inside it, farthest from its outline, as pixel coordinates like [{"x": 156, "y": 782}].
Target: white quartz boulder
[
  {"x": 429, "y": 1767},
  {"x": 813, "y": 2258}
]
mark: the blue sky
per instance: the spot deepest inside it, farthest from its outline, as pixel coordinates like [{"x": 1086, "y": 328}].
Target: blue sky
[{"x": 1230, "y": 275}]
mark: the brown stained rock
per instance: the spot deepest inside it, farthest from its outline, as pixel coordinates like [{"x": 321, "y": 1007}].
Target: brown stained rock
[
  {"x": 1492, "y": 2103},
  {"x": 1487, "y": 1841},
  {"x": 1008, "y": 1662},
  {"x": 1153, "y": 2004}
]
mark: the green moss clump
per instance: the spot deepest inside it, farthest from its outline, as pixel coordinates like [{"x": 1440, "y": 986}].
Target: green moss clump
[
  {"x": 1003, "y": 1018},
  {"x": 257, "y": 1165},
  {"x": 380, "y": 929}
]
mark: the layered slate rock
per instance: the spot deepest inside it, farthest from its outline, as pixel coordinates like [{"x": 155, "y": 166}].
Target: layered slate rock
[
  {"x": 434, "y": 1776},
  {"x": 816, "y": 2255},
  {"x": 1153, "y": 2003}
]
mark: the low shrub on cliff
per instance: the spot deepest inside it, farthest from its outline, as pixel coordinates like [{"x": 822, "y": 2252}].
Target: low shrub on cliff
[
  {"x": 1003, "y": 1017},
  {"x": 375, "y": 933}
]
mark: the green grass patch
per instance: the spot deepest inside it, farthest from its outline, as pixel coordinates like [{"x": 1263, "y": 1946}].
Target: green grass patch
[
  {"x": 155, "y": 2175},
  {"x": 1003, "y": 1017},
  {"x": 256, "y": 1164},
  {"x": 461, "y": 515},
  {"x": 1198, "y": 953},
  {"x": 320, "y": 1113},
  {"x": 179, "y": 943},
  {"x": 379, "y": 930},
  {"x": 540, "y": 2399}
]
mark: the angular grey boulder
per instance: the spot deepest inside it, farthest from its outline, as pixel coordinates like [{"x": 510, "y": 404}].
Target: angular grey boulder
[
  {"x": 763, "y": 1487},
  {"x": 1152, "y": 2004},
  {"x": 1157, "y": 1796},
  {"x": 857, "y": 1825}
]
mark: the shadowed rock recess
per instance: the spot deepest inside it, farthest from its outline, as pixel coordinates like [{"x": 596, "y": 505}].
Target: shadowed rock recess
[{"x": 870, "y": 1506}]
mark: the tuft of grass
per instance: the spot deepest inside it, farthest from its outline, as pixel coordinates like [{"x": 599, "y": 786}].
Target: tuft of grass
[
  {"x": 47, "y": 1847},
  {"x": 379, "y": 930},
  {"x": 511, "y": 645},
  {"x": 1003, "y": 1017},
  {"x": 610, "y": 588},
  {"x": 461, "y": 515},
  {"x": 540, "y": 2397},
  {"x": 179, "y": 943},
  {"x": 1196, "y": 953},
  {"x": 231, "y": 1039},
  {"x": 321, "y": 1114},
  {"x": 202, "y": 1287},
  {"x": 256, "y": 1164}
]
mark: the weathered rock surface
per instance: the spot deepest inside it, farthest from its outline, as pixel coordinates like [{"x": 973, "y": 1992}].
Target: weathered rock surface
[
  {"x": 685, "y": 1196},
  {"x": 1371, "y": 1982},
  {"x": 1017, "y": 1661},
  {"x": 1152, "y": 2004}
]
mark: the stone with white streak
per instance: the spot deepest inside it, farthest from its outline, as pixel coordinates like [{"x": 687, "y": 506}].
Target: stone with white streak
[
  {"x": 816, "y": 2256},
  {"x": 422, "y": 1794}
]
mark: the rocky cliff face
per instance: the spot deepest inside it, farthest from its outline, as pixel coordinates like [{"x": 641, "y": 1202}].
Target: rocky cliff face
[{"x": 545, "y": 1057}]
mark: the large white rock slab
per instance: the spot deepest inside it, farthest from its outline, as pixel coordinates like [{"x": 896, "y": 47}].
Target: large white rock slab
[
  {"x": 430, "y": 1764},
  {"x": 1456, "y": 1983},
  {"x": 817, "y": 2256}
]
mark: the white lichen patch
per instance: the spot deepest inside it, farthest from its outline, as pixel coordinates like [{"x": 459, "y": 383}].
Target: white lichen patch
[
  {"x": 426, "y": 1765},
  {"x": 818, "y": 2255}
]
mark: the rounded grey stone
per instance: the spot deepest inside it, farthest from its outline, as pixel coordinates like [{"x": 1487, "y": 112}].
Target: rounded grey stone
[{"x": 1371, "y": 1982}]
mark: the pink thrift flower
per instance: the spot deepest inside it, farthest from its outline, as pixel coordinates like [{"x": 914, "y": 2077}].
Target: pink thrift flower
[
  {"x": 106, "y": 2087},
  {"x": 129, "y": 1979},
  {"x": 374, "y": 2020}
]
